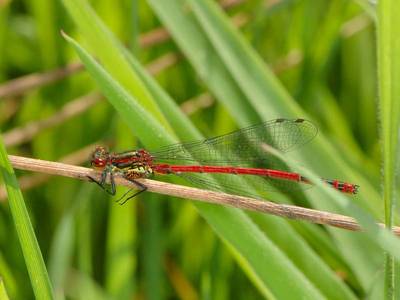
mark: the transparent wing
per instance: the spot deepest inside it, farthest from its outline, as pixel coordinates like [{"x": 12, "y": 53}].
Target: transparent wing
[{"x": 242, "y": 146}]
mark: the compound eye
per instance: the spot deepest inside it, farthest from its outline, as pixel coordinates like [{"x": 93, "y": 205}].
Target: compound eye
[{"x": 98, "y": 162}]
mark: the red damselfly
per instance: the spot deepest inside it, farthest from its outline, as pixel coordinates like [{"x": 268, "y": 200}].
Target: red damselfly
[{"x": 236, "y": 153}]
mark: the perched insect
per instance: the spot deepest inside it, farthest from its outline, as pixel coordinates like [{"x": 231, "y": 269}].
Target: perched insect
[{"x": 229, "y": 155}]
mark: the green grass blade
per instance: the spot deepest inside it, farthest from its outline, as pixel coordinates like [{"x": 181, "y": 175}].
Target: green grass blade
[
  {"x": 85, "y": 250},
  {"x": 121, "y": 257},
  {"x": 255, "y": 80},
  {"x": 261, "y": 265},
  {"x": 81, "y": 286},
  {"x": 30, "y": 247},
  {"x": 3, "y": 291},
  {"x": 44, "y": 12},
  {"x": 123, "y": 102},
  {"x": 64, "y": 242},
  {"x": 304, "y": 257},
  {"x": 170, "y": 109},
  {"x": 61, "y": 252},
  {"x": 153, "y": 248},
  {"x": 106, "y": 49},
  {"x": 369, "y": 7},
  {"x": 8, "y": 277},
  {"x": 207, "y": 63},
  {"x": 4, "y": 14},
  {"x": 389, "y": 92},
  {"x": 122, "y": 238}
]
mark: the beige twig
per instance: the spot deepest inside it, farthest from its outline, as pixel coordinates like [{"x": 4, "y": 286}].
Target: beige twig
[
  {"x": 30, "y": 181},
  {"x": 160, "y": 34},
  {"x": 192, "y": 105},
  {"x": 271, "y": 3},
  {"x": 25, "y": 83},
  {"x": 183, "y": 287},
  {"x": 355, "y": 25},
  {"x": 153, "y": 37},
  {"x": 162, "y": 63},
  {"x": 292, "y": 59},
  {"x": 21, "y": 85},
  {"x": 226, "y": 4},
  {"x": 24, "y": 134},
  {"x": 204, "y": 100},
  {"x": 8, "y": 108},
  {"x": 283, "y": 210},
  {"x": 149, "y": 39},
  {"x": 75, "y": 107}
]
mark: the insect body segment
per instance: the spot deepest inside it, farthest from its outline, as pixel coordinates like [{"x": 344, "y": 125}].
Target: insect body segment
[{"x": 344, "y": 187}]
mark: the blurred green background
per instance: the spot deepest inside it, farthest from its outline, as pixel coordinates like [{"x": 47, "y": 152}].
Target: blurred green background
[{"x": 247, "y": 62}]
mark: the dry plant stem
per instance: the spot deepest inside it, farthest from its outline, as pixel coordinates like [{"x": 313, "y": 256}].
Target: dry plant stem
[
  {"x": 26, "y": 133},
  {"x": 25, "y": 83},
  {"x": 283, "y": 210},
  {"x": 160, "y": 35},
  {"x": 204, "y": 100},
  {"x": 30, "y": 181},
  {"x": 162, "y": 63},
  {"x": 226, "y": 4},
  {"x": 8, "y": 107},
  {"x": 271, "y": 3},
  {"x": 183, "y": 287},
  {"x": 75, "y": 107},
  {"x": 153, "y": 37},
  {"x": 192, "y": 105},
  {"x": 355, "y": 25},
  {"x": 291, "y": 60}
]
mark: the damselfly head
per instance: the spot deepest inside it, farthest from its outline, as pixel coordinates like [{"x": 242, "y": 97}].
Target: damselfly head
[{"x": 100, "y": 157}]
